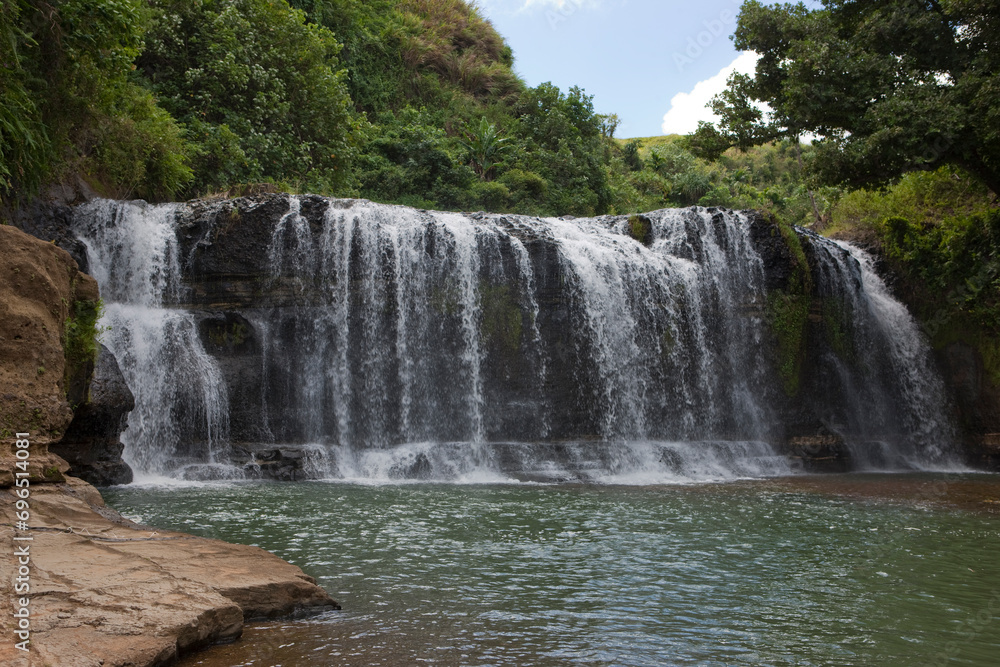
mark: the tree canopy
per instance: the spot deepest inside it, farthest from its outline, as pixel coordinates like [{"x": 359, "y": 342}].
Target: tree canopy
[
  {"x": 889, "y": 87},
  {"x": 259, "y": 90}
]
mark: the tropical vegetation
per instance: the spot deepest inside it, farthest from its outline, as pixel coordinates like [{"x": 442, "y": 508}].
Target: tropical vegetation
[{"x": 416, "y": 102}]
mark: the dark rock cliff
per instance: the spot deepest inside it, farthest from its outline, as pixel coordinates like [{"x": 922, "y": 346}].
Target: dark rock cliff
[
  {"x": 224, "y": 246},
  {"x": 976, "y": 401},
  {"x": 92, "y": 443},
  {"x": 249, "y": 315}
]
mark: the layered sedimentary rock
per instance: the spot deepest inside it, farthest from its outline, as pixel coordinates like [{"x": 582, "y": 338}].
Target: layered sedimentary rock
[
  {"x": 105, "y": 591},
  {"x": 42, "y": 292}
]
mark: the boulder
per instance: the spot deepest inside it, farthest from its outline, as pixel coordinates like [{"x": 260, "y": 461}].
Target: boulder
[
  {"x": 92, "y": 444},
  {"x": 106, "y": 591}
]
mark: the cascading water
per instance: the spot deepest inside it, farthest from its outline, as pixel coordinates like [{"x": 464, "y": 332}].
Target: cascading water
[
  {"x": 399, "y": 343},
  {"x": 182, "y": 409},
  {"x": 895, "y": 390},
  {"x": 414, "y": 317},
  {"x": 672, "y": 345}
]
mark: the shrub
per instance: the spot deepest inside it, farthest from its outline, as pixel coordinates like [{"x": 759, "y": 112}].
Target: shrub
[{"x": 259, "y": 88}]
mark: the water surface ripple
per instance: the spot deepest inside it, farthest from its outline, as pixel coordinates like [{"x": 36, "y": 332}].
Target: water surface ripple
[{"x": 855, "y": 570}]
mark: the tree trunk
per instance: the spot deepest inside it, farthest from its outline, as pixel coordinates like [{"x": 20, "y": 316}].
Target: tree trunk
[{"x": 978, "y": 168}]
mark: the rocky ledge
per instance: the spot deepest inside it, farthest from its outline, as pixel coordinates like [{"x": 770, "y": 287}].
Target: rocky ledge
[{"x": 105, "y": 591}]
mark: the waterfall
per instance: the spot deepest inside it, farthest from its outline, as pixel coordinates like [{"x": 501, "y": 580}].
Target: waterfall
[
  {"x": 669, "y": 326},
  {"x": 384, "y": 346},
  {"x": 182, "y": 409},
  {"x": 372, "y": 341},
  {"x": 898, "y": 402}
]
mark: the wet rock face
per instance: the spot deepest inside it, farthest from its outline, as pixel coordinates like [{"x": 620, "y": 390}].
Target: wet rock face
[
  {"x": 281, "y": 464},
  {"x": 819, "y": 453},
  {"x": 254, "y": 319},
  {"x": 328, "y": 321},
  {"x": 977, "y": 402},
  {"x": 225, "y": 247},
  {"x": 92, "y": 444},
  {"x": 51, "y": 221},
  {"x": 773, "y": 250}
]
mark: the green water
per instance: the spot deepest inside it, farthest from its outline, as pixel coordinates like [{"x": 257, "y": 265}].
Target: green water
[{"x": 840, "y": 571}]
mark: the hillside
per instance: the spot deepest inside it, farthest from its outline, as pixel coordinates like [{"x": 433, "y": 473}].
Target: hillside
[
  {"x": 416, "y": 102},
  {"x": 406, "y": 101}
]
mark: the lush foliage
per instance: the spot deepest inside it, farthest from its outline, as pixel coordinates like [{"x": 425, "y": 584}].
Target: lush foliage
[
  {"x": 405, "y": 101},
  {"x": 657, "y": 172},
  {"x": 889, "y": 87},
  {"x": 485, "y": 147},
  {"x": 21, "y": 132},
  {"x": 940, "y": 233},
  {"x": 259, "y": 90},
  {"x": 69, "y": 101},
  {"x": 81, "y": 343}
]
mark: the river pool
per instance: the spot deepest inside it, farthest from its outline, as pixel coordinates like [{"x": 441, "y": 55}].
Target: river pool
[{"x": 803, "y": 570}]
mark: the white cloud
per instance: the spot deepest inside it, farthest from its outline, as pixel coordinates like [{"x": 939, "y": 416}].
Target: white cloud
[{"x": 686, "y": 109}]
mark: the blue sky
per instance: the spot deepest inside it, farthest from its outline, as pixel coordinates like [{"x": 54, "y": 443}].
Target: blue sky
[{"x": 639, "y": 58}]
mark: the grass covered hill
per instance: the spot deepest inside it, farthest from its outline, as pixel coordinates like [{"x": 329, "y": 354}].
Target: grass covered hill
[
  {"x": 403, "y": 101},
  {"x": 408, "y": 101}
]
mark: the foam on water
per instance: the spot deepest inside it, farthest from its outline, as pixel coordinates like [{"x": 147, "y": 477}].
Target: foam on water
[{"x": 619, "y": 463}]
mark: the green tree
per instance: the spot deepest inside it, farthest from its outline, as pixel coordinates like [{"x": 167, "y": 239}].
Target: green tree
[
  {"x": 889, "y": 87},
  {"x": 485, "y": 146},
  {"x": 71, "y": 103},
  {"x": 630, "y": 155},
  {"x": 558, "y": 136},
  {"x": 22, "y": 134},
  {"x": 259, "y": 90},
  {"x": 409, "y": 160}
]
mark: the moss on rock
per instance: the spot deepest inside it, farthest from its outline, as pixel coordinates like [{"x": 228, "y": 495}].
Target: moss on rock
[
  {"x": 80, "y": 345},
  {"x": 788, "y": 313},
  {"x": 502, "y": 320},
  {"x": 641, "y": 229}
]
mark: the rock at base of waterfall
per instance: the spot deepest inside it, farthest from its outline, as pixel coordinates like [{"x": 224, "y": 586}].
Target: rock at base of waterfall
[
  {"x": 106, "y": 591},
  {"x": 92, "y": 444}
]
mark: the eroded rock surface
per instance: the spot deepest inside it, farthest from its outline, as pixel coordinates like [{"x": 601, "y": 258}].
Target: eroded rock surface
[
  {"x": 40, "y": 287},
  {"x": 92, "y": 444},
  {"x": 108, "y": 592}
]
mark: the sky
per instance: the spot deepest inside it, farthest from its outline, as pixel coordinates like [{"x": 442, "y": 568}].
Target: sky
[{"x": 654, "y": 63}]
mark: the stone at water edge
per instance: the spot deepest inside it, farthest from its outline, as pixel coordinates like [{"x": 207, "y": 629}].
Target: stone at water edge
[
  {"x": 108, "y": 592},
  {"x": 91, "y": 444},
  {"x": 39, "y": 283}
]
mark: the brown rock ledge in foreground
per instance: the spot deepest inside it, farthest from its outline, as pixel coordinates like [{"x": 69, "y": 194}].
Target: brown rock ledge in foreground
[
  {"x": 41, "y": 290},
  {"x": 105, "y": 591}
]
